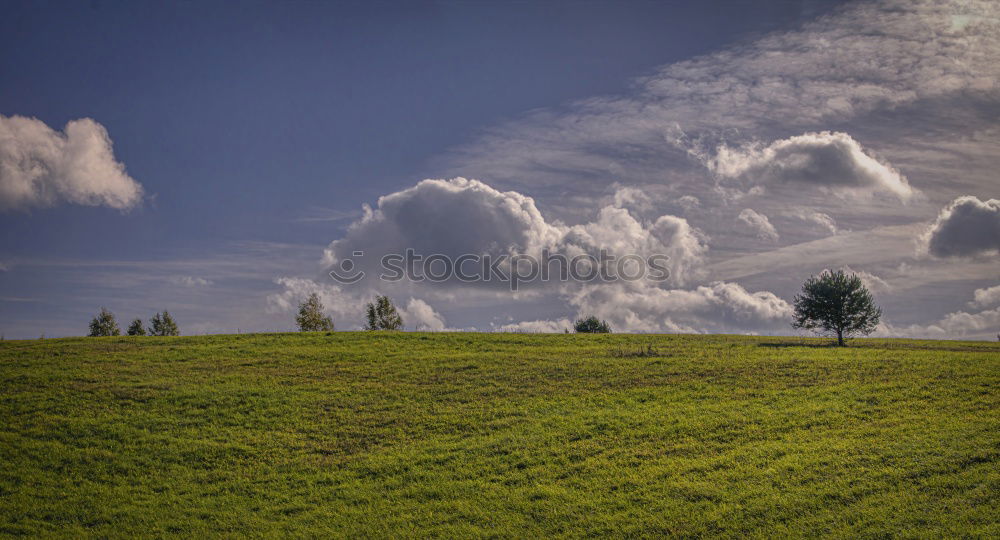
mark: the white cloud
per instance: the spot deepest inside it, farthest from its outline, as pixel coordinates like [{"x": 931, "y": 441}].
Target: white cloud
[
  {"x": 966, "y": 227},
  {"x": 957, "y": 325},
  {"x": 190, "y": 281},
  {"x": 538, "y": 327},
  {"x": 348, "y": 307},
  {"x": 621, "y": 233},
  {"x": 759, "y": 224},
  {"x": 819, "y": 218},
  {"x": 870, "y": 281},
  {"x": 420, "y": 316},
  {"x": 987, "y": 297},
  {"x": 42, "y": 167},
  {"x": 718, "y": 306},
  {"x": 689, "y": 203},
  {"x": 450, "y": 217},
  {"x": 831, "y": 162},
  {"x": 460, "y": 216},
  {"x": 341, "y": 305},
  {"x": 489, "y": 220},
  {"x": 632, "y": 197}
]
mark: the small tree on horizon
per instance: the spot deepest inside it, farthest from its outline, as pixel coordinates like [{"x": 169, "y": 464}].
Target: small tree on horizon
[
  {"x": 591, "y": 325},
  {"x": 836, "y": 304},
  {"x": 136, "y": 328},
  {"x": 311, "y": 318},
  {"x": 104, "y": 324},
  {"x": 163, "y": 325},
  {"x": 382, "y": 315}
]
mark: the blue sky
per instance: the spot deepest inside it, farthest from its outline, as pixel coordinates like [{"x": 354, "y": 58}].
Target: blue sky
[{"x": 258, "y": 130}]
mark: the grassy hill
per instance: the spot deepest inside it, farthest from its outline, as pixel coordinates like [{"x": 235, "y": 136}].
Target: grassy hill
[{"x": 411, "y": 434}]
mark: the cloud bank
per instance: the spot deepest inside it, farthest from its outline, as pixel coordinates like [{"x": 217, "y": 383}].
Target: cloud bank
[
  {"x": 462, "y": 216},
  {"x": 42, "y": 167},
  {"x": 459, "y": 216},
  {"x": 718, "y": 306}
]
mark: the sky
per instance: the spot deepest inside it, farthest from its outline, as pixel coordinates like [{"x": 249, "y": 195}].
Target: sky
[{"x": 218, "y": 159}]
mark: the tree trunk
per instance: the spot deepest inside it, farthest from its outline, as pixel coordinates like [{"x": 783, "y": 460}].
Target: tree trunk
[{"x": 840, "y": 338}]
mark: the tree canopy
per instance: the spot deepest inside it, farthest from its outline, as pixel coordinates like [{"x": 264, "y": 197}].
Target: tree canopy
[
  {"x": 136, "y": 328},
  {"x": 591, "y": 325},
  {"x": 163, "y": 325},
  {"x": 837, "y": 304},
  {"x": 382, "y": 315},
  {"x": 104, "y": 324},
  {"x": 311, "y": 318}
]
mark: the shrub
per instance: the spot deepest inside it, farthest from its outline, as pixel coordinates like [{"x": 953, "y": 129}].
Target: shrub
[
  {"x": 591, "y": 325},
  {"x": 136, "y": 328}
]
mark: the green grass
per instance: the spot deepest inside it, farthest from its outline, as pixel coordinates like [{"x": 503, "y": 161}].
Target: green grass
[{"x": 409, "y": 434}]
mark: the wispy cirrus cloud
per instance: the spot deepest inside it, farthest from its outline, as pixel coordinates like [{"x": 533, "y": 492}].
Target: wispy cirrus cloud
[{"x": 865, "y": 57}]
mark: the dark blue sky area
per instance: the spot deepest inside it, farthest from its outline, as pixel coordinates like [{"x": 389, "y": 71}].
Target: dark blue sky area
[{"x": 240, "y": 118}]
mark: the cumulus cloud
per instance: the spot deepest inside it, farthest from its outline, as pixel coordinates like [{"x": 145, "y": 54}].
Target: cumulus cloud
[
  {"x": 538, "y": 327},
  {"x": 618, "y": 231},
  {"x": 987, "y": 297},
  {"x": 42, "y": 167},
  {"x": 872, "y": 282},
  {"x": 347, "y": 307},
  {"x": 340, "y": 304},
  {"x": 960, "y": 324},
  {"x": 420, "y": 316},
  {"x": 450, "y": 217},
  {"x": 632, "y": 197},
  {"x": 719, "y": 306},
  {"x": 460, "y": 216},
  {"x": 966, "y": 227},
  {"x": 689, "y": 203},
  {"x": 759, "y": 224},
  {"x": 831, "y": 162}
]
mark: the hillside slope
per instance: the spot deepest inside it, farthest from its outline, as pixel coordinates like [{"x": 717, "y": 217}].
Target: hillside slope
[{"x": 372, "y": 434}]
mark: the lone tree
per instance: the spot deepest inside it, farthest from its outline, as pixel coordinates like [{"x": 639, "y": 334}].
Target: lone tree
[
  {"x": 136, "y": 328},
  {"x": 311, "y": 318},
  {"x": 382, "y": 315},
  {"x": 591, "y": 325},
  {"x": 836, "y": 304},
  {"x": 163, "y": 325},
  {"x": 104, "y": 324}
]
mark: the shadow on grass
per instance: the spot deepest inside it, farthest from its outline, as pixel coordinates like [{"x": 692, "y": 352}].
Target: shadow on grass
[
  {"x": 924, "y": 346},
  {"x": 811, "y": 345}
]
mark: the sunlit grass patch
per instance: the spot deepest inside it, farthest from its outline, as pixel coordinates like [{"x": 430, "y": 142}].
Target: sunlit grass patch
[{"x": 407, "y": 434}]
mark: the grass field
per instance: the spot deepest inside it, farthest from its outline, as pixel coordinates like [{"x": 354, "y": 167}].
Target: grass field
[{"x": 409, "y": 434}]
